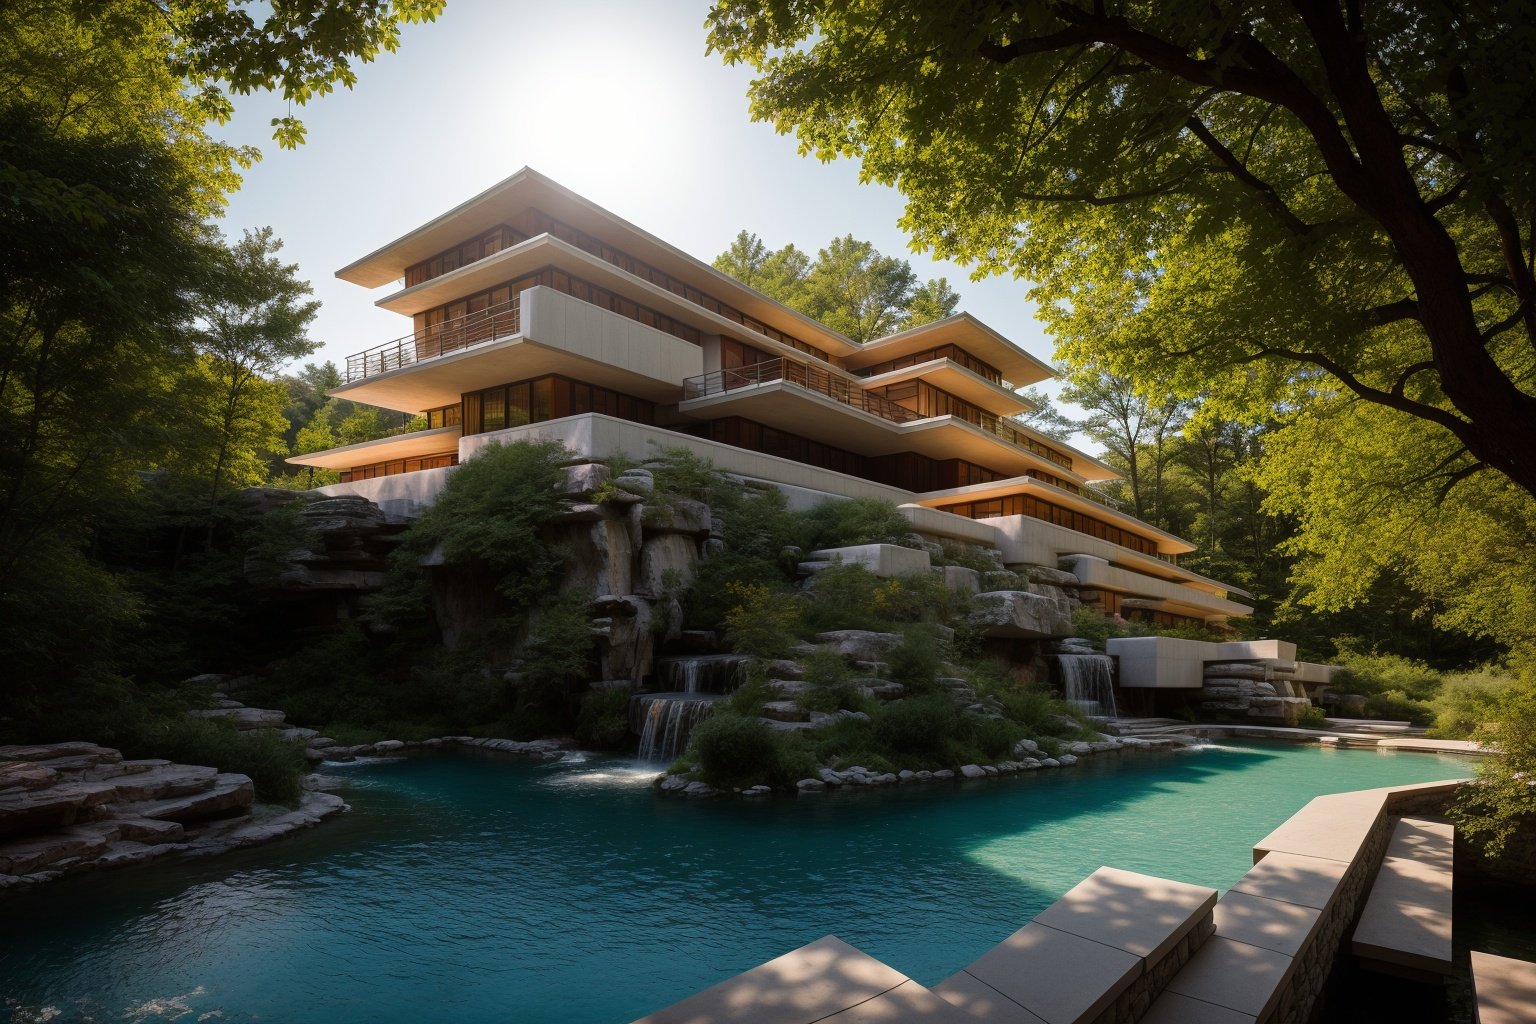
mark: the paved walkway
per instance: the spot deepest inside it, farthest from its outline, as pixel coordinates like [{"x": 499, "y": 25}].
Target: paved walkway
[{"x": 1165, "y": 727}]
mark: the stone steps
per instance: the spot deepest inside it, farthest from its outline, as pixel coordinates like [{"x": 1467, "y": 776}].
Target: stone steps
[
  {"x": 226, "y": 794},
  {"x": 1085, "y": 959}
]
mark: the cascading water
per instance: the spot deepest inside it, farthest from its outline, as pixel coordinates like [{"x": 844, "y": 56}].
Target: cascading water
[
  {"x": 1087, "y": 683},
  {"x": 666, "y": 720},
  {"x": 701, "y": 673}
]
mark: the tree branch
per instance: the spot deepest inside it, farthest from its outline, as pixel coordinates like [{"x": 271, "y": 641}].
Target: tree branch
[
  {"x": 1454, "y": 424},
  {"x": 1267, "y": 195},
  {"x": 1391, "y": 313}
]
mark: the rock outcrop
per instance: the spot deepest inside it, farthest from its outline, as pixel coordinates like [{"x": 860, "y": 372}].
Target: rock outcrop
[{"x": 72, "y": 807}]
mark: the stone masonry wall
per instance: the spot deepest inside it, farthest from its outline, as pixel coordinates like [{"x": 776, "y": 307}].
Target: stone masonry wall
[
  {"x": 1316, "y": 962},
  {"x": 1132, "y": 1004}
]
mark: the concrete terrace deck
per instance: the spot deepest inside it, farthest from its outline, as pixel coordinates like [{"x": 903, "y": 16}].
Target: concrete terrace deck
[
  {"x": 1161, "y": 728},
  {"x": 1121, "y": 947}
]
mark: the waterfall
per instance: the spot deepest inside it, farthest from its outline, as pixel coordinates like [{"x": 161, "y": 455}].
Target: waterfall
[
  {"x": 665, "y": 721},
  {"x": 1087, "y": 683},
  {"x": 701, "y": 673}
]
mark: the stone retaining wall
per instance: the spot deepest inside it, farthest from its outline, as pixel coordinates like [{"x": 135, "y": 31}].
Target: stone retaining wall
[{"x": 1316, "y": 962}]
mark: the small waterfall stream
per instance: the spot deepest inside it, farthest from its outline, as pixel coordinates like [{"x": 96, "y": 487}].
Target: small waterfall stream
[
  {"x": 701, "y": 673},
  {"x": 665, "y": 721},
  {"x": 1087, "y": 683}
]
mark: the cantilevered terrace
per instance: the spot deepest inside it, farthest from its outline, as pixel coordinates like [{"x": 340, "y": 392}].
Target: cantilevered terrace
[{"x": 535, "y": 310}]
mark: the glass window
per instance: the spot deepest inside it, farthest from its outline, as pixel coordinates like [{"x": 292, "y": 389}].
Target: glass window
[{"x": 494, "y": 409}]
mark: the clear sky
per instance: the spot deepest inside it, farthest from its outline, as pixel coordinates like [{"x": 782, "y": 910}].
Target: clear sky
[{"x": 616, "y": 100}]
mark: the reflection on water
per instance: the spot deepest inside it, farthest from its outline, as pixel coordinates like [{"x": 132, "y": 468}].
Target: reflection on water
[{"x": 478, "y": 889}]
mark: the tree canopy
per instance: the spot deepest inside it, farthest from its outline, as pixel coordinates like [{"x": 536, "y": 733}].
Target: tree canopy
[
  {"x": 1247, "y": 202},
  {"x": 850, "y": 286}
]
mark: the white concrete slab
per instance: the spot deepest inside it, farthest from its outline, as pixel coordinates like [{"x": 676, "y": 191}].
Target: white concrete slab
[
  {"x": 1234, "y": 975},
  {"x": 1172, "y": 1008},
  {"x": 1283, "y": 927},
  {"x": 1140, "y": 914},
  {"x": 1292, "y": 878},
  {"x": 1059, "y": 977},
  {"x": 1506, "y": 989},
  {"x": 808, "y": 984}
]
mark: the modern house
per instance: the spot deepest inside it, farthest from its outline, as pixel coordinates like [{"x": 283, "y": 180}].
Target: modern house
[{"x": 537, "y": 314}]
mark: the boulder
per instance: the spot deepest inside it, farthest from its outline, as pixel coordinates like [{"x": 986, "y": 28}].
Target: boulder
[
  {"x": 581, "y": 480},
  {"x": 636, "y": 481},
  {"x": 959, "y": 579},
  {"x": 229, "y": 793},
  {"x": 26, "y": 855},
  {"x": 810, "y": 785},
  {"x": 22, "y": 775},
  {"x": 973, "y": 771},
  {"x": 73, "y": 749},
  {"x": 860, "y": 644},
  {"x": 168, "y": 781},
  {"x": 1048, "y": 576},
  {"x": 784, "y": 711},
  {"x": 1018, "y": 614},
  {"x": 34, "y": 810},
  {"x": 244, "y": 718},
  {"x": 884, "y": 560},
  {"x": 681, "y": 515},
  {"x": 666, "y": 563}
]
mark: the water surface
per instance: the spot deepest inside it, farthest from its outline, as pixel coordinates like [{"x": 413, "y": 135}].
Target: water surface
[{"x": 478, "y": 890}]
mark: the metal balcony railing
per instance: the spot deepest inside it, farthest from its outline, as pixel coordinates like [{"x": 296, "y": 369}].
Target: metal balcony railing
[
  {"x": 847, "y": 392},
  {"x": 499, "y": 321},
  {"x": 812, "y": 378}
]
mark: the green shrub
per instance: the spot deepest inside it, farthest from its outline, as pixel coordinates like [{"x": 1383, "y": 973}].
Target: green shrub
[
  {"x": 995, "y": 737},
  {"x": 493, "y": 512},
  {"x": 733, "y": 750},
  {"x": 1503, "y": 802},
  {"x": 1397, "y": 706},
  {"x": 275, "y": 766},
  {"x": 603, "y": 720},
  {"x": 915, "y": 725},
  {"x": 1091, "y": 626},
  {"x": 835, "y": 524},
  {"x": 1379, "y": 673},
  {"x": 763, "y": 622},
  {"x": 1468, "y": 700},
  {"x": 965, "y": 556},
  {"x": 749, "y": 698},
  {"x": 827, "y": 683},
  {"x": 843, "y": 597},
  {"x": 915, "y": 662},
  {"x": 1312, "y": 718},
  {"x": 678, "y": 471},
  {"x": 709, "y": 598}
]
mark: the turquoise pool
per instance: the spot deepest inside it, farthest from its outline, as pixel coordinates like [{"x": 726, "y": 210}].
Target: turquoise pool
[{"x": 473, "y": 890}]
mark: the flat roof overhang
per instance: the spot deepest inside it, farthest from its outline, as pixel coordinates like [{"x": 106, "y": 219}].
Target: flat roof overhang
[
  {"x": 1165, "y": 541},
  {"x": 437, "y": 441},
  {"x": 443, "y": 380},
  {"x": 545, "y": 250},
  {"x": 1017, "y": 366},
  {"x": 1193, "y": 611},
  {"x": 950, "y": 376},
  {"x": 797, "y": 410},
  {"x": 527, "y": 189}
]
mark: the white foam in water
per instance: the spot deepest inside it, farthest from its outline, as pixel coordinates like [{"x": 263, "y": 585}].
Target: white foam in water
[{"x": 628, "y": 773}]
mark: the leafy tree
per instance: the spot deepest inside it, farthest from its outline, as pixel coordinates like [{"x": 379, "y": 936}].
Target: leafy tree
[
  {"x": 1353, "y": 476},
  {"x": 1137, "y": 433},
  {"x": 849, "y": 286},
  {"x": 1236, "y": 200},
  {"x": 1043, "y": 415},
  {"x": 254, "y": 323}
]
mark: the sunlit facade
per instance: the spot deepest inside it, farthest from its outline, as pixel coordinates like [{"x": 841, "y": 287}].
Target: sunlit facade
[{"x": 535, "y": 313}]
